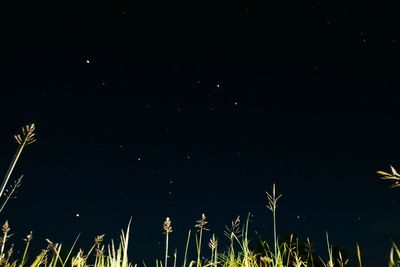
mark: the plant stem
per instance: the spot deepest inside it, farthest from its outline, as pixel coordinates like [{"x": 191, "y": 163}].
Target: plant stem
[
  {"x": 186, "y": 249},
  {"x": 275, "y": 244},
  {"x": 199, "y": 248},
  {"x": 166, "y": 250},
  {"x": 11, "y": 168}
]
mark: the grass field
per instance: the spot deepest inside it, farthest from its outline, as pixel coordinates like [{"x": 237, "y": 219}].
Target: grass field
[{"x": 241, "y": 251}]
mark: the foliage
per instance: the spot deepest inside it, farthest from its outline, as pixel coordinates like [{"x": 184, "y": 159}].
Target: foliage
[{"x": 241, "y": 251}]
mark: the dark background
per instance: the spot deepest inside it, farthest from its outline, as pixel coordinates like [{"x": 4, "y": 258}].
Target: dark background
[{"x": 222, "y": 100}]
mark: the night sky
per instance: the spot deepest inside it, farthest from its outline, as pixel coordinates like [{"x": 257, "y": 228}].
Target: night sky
[{"x": 178, "y": 110}]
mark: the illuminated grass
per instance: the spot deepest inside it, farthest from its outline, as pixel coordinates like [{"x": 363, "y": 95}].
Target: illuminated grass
[{"x": 239, "y": 252}]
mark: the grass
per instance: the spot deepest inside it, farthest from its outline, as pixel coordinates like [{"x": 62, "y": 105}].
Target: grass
[
  {"x": 240, "y": 252},
  {"x": 24, "y": 139}
]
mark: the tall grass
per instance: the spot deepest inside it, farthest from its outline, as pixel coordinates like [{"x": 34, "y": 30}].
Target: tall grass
[
  {"x": 167, "y": 230},
  {"x": 240, "y": 251},
  {"x": 272, "y": 205},
  {"x": 25, "y": 138},
  {"x": 201, "y": 227}
]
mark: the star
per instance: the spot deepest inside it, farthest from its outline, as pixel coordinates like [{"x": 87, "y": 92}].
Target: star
[
  {"x": 77, "y": 215},
  {"x": 87, "y": 61}
]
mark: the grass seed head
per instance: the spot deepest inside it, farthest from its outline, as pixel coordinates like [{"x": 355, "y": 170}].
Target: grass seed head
[
  {"x": 10, "y": 251},
  {"x": 342, "y": 262},
  {"x": 99, "y": 239},
  {"x": 6, "y": 228},
  {"x": 272, "y": 199},
  {"x": 27, "y": 136},
  {"x": 52, "y": 246},
  {"x": 213, "y": 244},
  {"x": 167, "y": 226},
  {"x": 201, "y": 223},
  {"x": 393, "y": 176},
  {"x": 234, "y": 229},
  {"x": 28, "y": 237}
]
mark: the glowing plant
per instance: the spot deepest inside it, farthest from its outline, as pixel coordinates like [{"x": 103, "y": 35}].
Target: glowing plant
[
  {"x": 200, "y": 225},
  {"x": 27, "y": 137},
  {"x": 238, "y": 253},
  {"x": 167, "y": 230},
  {"x": 272, "y": 205},
  {"x": 213, "y": 244}
]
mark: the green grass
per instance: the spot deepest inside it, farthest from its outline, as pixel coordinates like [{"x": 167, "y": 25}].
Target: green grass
[{"x": 240, "y": 252}]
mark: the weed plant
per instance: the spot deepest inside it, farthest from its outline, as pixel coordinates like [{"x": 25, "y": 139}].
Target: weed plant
[{"x": 239, "y": 253}]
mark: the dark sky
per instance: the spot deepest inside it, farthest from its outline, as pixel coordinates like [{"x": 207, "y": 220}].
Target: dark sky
[{"x": 178, "y": 110}]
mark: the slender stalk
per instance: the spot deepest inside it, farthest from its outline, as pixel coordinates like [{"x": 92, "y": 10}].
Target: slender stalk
[
  {"x": 289, "y": 253},
  {"x": 275, "y": 245},
  {"x": 5, "y": 229},
  {"x": 11, "y": 167},
  {"x": 200, "y": 224},
  {"x": 124, "y": 244},
  {"x": 167, "y": 229},
  {"x": 330, "y": 252},
  {"x": 175, "y": 256},
  {"x": 213, "y": 244},
  {"x": 186, "y": 249},
  {"x": 272, "y": 205},
  {"x": 28, "y": 137},
  {"x": 359, "y": 255},
  {"x": 28, "y": 241},
  {"x": 309, "y": 252},
  {"x": 9, "y": 194},
  {"x": 166, "y": 251},
  {"x": 199, "y": 248},
  {"x": 216, "y": 256}
]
